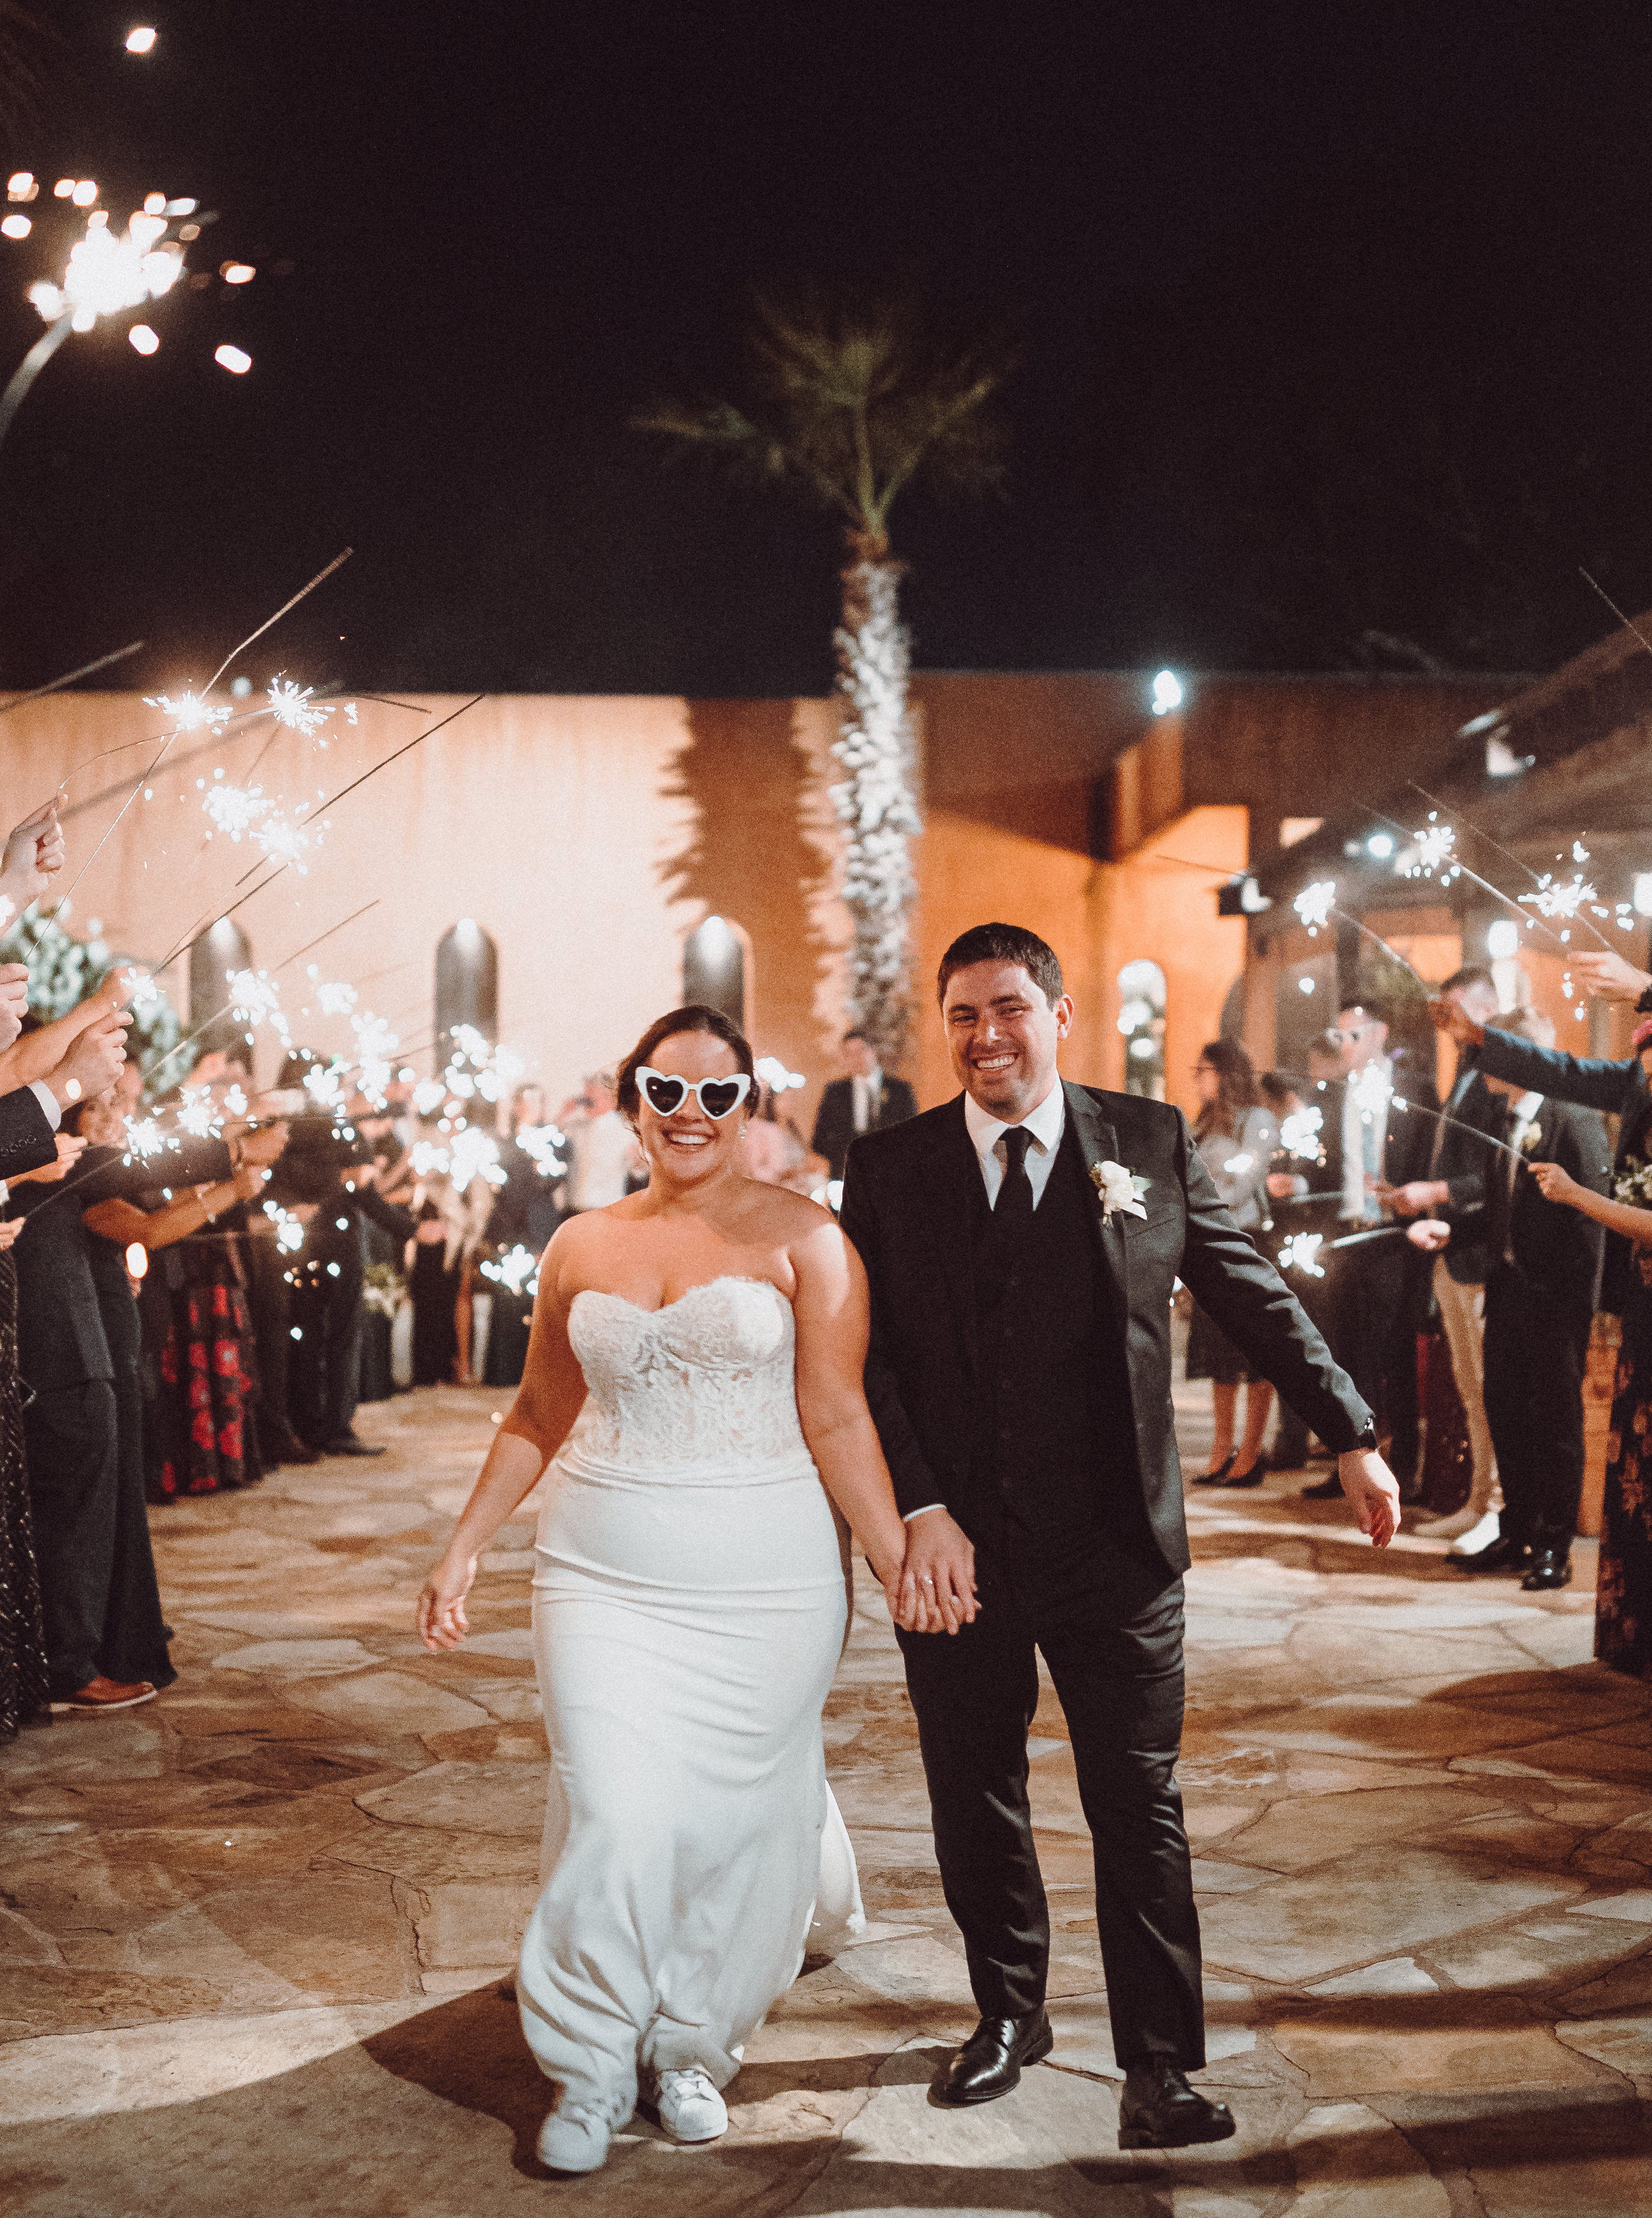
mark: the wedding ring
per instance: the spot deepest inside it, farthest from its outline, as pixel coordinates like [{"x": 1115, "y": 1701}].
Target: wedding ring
[{"x": 926, "y": 1581}]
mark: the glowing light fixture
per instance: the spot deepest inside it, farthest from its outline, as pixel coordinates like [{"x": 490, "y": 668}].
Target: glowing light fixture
[
  {"x": 16, "y": 226},
  {"x": 237, "y": 273},
  {"x": 1642, "y": 894},
  {"x": 1503, "y": 939},
  {"x": 141, "y": 39},
  {"x": 233, "y": 359},
  {"x": 1167, "y": 693},
  {"x": 143, "y": 339}
]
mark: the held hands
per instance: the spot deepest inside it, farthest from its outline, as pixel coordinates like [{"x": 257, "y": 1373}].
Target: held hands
[
  {"x": 1370, "y": 1485},
  {"x": 1430, "y": 1235},
  {"x": 442, "y": 1620},
  {"x": 1610, "y": 978},
  {"x": 936, "y": 1592}
]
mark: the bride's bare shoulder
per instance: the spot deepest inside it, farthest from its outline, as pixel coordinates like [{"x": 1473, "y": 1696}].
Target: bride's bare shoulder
[{"x": 785, "y": 1217}]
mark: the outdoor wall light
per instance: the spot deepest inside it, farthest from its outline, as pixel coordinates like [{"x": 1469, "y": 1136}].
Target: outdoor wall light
[
  {"x": 1643, "y": 894},
  {"x": 1167, "y": 693}
]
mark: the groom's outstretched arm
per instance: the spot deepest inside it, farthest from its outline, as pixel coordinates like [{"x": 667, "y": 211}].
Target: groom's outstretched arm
[{"x": 1241, "y": 1289}]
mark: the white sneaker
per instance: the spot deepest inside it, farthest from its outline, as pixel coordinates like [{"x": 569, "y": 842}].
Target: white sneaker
[
  {"x": 1472, "y": 1534},
  {"x": 689, "y": 2106},
  {"x": 573, "y": 2140}
]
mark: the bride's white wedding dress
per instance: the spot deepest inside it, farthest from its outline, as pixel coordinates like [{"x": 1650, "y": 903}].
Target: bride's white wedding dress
[{"x": 689, "y": 1611}]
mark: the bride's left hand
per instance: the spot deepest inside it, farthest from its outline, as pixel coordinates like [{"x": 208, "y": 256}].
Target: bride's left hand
[{"x": 441, "y": 1620}]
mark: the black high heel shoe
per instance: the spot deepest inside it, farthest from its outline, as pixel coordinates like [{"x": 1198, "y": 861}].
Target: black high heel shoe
[
  {"x": 1218, "y": 1476},
  {"x": 1254, "y": 1477}
]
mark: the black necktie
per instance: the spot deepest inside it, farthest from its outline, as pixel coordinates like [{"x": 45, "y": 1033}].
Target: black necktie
[{"x": 1012, "y": 1212}]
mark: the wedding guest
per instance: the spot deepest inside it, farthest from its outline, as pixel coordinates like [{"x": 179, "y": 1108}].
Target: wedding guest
[
  {"x": 525, "y": 1212},
  {"x": 448, "y": 1228},
  {"x": 604, "y": 1158},
  {"x": 1282, "y": 1095},
  {"x": 1237, "y": 1134},
  {"x": 213, "y": 1386},
  {"x": 1379, "y": 1291},
  {"x": 1456, "y": 1182},
  {"x": 25, "y": 1697},
  {"x": 863, "y": 1100},
  {"x": 1622, "y": 1593},
  {"x": 1542, "y": 1275},
  {"x": 105, "y": 1639}
]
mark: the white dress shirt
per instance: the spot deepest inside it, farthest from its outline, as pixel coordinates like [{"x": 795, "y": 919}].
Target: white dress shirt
[
  {"x": 48, "y": 1101},
  {"x": 1357, "y": 1203},
  {"x": 864, "y": 1089},
  {"x": 1046, "y": 1124}
]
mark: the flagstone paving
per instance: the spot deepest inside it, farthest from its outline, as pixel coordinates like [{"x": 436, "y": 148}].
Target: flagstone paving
[{"x": 252, "y": 1934}]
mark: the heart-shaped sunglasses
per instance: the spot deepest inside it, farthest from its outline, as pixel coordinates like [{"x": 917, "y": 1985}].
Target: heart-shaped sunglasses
[{"x": 717, "y": 1097}]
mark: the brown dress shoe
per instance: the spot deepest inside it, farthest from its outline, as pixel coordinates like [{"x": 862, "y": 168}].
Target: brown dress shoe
[{"x": 101, "y": 1694}]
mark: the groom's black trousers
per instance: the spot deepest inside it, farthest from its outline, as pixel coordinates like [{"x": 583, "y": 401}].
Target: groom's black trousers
[{"x": 1109, "y": 1628}]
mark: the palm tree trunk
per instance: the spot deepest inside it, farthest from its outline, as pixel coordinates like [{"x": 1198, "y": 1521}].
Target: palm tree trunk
[{"x": 875, "y": 801}]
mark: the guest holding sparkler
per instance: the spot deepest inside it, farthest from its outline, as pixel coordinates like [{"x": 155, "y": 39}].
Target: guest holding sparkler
[
  {"x": 1458, "y": 1165},
  {"x": 1237, "y": 1134},
  {"x": 1542, "y": 1275},
  {"x": 1373, "y": 1143}
]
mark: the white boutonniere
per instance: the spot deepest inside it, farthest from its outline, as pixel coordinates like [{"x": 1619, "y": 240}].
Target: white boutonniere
[
  {"x": 1529, "y": 1134},
  {"x": 1119, "y": 1188}
]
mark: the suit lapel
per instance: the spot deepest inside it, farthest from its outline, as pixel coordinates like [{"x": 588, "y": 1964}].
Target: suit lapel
[
  {"x": 1098, "y": 1143},
  {"x": 955, "y": 1192}
]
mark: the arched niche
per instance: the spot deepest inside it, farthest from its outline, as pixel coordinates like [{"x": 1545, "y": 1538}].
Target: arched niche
[
  {"x": 467, "y": 985},
  {"x": 224, "y": 948},
  {"x": 714, "y": 968},
  {"x": 1142, "y": 1020}
]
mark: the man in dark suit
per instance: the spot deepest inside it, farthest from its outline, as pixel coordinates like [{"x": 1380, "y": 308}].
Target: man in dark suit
[
  {"x": 1377, "y": 1135},
  {"x": 1457, "y": 1183},
  {"x": 1542, "y": 1274},
  {"x": 863, "y": 1101},
  {"x": 1021, "y": 1244}
]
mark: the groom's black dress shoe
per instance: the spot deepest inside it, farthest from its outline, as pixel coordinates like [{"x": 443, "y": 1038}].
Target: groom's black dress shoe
[
  {"x": 1159, "y": 2110},
  {"x": 1547, "y": 1567},
  {"x": 1506, "y": 1554},
  {"x": 989, "y": 2063}
]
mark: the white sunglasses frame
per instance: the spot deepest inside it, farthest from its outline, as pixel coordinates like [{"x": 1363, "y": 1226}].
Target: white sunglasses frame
[{"x": 692, "y": 1086}]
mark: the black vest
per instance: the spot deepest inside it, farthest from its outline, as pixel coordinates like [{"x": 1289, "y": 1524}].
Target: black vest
[{"x": 1057, "y": 1403}]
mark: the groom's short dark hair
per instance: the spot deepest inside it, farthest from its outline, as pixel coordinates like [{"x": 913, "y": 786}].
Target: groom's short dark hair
[{"x": 1004, "y": 942}]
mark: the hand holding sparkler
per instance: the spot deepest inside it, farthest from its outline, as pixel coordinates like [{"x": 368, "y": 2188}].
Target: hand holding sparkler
[
  {"x": 1610, "y": 978},
  {"x": 1411, "y": 1200},
  {"x": 70, "y": 1146},
  {"x": 93, "y": 1063},
  {"x": 263, "y": 1146},
  {"x": 34, "y": 855},
  {"x": 1429, "y": 1234},
  {"x": 1446, "y": 1017},
  {"x": 1558, "y": 1184},
  {"x": 14, "y": 1001}
]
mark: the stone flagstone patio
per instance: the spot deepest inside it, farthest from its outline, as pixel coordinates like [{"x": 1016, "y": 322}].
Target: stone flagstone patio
[{"x": 252, "y": 1934}]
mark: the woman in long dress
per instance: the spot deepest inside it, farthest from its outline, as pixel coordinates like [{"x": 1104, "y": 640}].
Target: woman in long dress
[
  {"x": 689, "y": 1600},
  {"x": 1237, "y": 1134}
]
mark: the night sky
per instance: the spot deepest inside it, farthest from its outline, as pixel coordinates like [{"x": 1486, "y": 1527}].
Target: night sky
[{"x": 1334, "y": 325}]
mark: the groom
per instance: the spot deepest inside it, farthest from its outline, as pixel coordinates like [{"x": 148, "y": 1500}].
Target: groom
[{"x": 1022, "y": 1244}]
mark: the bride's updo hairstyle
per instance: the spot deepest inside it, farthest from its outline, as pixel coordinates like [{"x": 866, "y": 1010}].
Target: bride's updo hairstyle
[{"x": 697, "y": 1018}]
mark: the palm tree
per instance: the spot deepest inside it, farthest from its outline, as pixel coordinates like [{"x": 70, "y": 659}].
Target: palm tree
[{"x": 851, "y": 404}]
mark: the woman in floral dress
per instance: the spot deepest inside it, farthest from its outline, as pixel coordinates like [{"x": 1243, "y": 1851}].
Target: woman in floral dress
[{"x": 1623, "y": 1594}]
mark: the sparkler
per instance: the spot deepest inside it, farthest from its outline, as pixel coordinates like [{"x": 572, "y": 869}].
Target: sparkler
[
  {"x": 1300, "y": 1252},
  {"x": 1299, "y": 1135},
  {"x": 69, "y": 677},
  {"x": 541, "y": 1141},
  {"x": 518, "y": 1271},
  {"x": 319, "y": 577}
]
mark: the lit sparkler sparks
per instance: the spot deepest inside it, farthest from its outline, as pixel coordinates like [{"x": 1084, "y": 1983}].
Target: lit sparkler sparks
[
  {"x": 336, "y": 1000},
  {"x": 1299, "y": 1135},
  {"x": 518, "y": 1271},
  {"x": 1372, "y": 1090},
  {"x": 145, "y": 1140},
  {"x": 1300, "y": 1252},
  {"x": 1562, "y": 902},
  {"x": 255, "y": 999},
  {"x": 190, "y": 713},
  {"x": 236, "y": 810},
  {"x": 295, "y": 706},
  {"x": 540, "y": 1142},
  {"x": 109, "y": 270},
  {"x": 198, "y": 1114},
  {"x": 1436, "y": 850},
  {"x": 289, "y": 1233},
  {"x": 1314, "y": 903}
]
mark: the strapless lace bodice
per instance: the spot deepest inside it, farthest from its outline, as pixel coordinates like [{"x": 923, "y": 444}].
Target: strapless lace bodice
[{"x": 706, "y": 1385}]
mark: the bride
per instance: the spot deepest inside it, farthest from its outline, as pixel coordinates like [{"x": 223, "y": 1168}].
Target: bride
[{"x": 689, "y": 1600}]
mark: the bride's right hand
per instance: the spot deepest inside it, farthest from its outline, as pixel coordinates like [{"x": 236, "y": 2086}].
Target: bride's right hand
[{"x": 441, "y": 1620}]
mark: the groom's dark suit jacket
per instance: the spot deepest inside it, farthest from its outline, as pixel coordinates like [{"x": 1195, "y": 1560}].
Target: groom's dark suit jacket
[{"x": 908, "y": 1206}]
